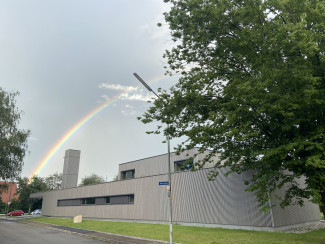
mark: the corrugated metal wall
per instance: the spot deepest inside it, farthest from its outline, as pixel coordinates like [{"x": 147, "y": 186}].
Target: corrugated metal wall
[
  {"x": 223, "y": 201},
  {"x": 149, "y": 200},
  {"x": 159, "y": 164},
  {"x": 294, "y": 214},
  {"x": 195, "y": 200}
]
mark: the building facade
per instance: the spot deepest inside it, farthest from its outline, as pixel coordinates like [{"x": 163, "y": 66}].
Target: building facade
[
  {"x": 138, "y": 196},
  {"x": 9, "y": 191}
]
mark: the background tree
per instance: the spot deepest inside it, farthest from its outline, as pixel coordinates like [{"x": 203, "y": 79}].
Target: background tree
[
  {"x": 252, "y": 90},
  {"x": 3, "y": 187},
  {"x": 13, "y": 140},
  {"x": 91, "y": 180},
  {"x": 27, "y": 187},
  {"x": 14, "y": 205},
  {"x": 54, "y": 181},
  {"x": 2, "y": 206}
]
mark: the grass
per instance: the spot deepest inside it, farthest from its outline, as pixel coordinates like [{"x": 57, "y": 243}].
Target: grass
[{"x": 189, "y": 234}]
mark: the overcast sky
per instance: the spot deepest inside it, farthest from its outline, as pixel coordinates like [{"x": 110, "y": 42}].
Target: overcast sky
[{"x": 66, "y": 58}]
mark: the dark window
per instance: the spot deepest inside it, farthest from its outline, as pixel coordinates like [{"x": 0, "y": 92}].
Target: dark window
[
  {"x": 128, "y": 174},
  {"x": 108, "y": 200},
  {"x": 69, "y": 202},
  {"x": 100, "y": 200},
  {"x": 131, "y": 199},
  {"x": 88, "y": 200},
  {"x": 122, "y": 199},
  {"x": 117, "y": 199},
  {"x": 183, "y": 165}
]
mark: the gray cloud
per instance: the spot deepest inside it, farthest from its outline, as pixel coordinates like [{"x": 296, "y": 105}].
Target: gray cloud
[
  {"x": 118, "y": 87},
  {"x": 55, "y": 52},
  {"x": 131, "y": 93}
]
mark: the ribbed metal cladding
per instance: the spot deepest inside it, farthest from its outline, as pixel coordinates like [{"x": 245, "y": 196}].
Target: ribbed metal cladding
[
  {"x": 294, "y": 214},
  {"x": 150, "y": 200},
  {"x": 223, "y": 201},
  {"x": 195, "y": 200},
  {"x": 159, "y": 164}
]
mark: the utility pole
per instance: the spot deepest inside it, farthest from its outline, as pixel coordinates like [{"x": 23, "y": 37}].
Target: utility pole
[{"x": 169, "y": 174}]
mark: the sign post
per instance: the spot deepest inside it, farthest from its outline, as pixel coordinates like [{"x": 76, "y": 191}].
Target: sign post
[{"x": 8, "y": 204}]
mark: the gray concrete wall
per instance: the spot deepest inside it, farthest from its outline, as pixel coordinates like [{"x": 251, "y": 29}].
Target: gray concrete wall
[{"x": 70, "y": 168}]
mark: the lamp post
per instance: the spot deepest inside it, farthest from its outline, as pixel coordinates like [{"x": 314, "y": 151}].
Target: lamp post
[{"x": 169, "y": 175}]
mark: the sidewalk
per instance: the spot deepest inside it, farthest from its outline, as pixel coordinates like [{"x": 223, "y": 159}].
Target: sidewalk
[{"x": 107, "y": 237}]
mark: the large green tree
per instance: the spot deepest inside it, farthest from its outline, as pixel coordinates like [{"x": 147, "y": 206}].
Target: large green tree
[
  {"x": 251, "y": 89},
  {"x": 13, "y": 140},
  {"x": 54, "y": 181},
  {"x": 91, "y": 180},
  {"x": 28, "y": 186}
]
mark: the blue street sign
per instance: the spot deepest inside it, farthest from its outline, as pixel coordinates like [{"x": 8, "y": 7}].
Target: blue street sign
[{"x": 163, "y": 183}]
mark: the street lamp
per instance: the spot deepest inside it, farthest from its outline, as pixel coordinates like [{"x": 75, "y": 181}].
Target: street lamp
[{"x": 169, "y": 176}]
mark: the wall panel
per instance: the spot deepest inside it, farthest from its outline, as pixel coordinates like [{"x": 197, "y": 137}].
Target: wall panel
[{"x": 195, "y": 200}]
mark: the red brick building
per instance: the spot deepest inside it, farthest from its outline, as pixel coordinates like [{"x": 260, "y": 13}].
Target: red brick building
[{"x": 10, "y": 191}]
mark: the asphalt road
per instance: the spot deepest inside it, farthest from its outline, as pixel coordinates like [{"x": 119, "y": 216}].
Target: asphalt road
[{"x": 12, "y": 232}]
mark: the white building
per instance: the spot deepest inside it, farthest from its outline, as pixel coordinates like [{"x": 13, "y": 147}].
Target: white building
[{"x": 137, "y": 196}]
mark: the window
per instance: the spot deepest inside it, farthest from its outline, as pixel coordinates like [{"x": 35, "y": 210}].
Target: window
[
  {"x": 128, "y": 174},
  {"x": 108, "y": 200},
  {"x": 183, "y": 165},
  {"x": 121, "y": 199},
  {"x": 101, "y": 200},
  {"x": 69, "y": 202},
  {"x": 131, "y": 199},
  {"x": 88, "y": 201}
]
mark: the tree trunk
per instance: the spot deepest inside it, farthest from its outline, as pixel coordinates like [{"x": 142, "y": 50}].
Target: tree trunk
[{"x": 323, "y": 204}]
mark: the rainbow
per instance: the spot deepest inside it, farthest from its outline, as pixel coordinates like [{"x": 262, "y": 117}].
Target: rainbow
[{"x": 76, "y": 127}]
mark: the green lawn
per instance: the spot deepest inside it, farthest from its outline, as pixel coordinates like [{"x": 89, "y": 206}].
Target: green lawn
[{"x": 187, "y": 234}]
